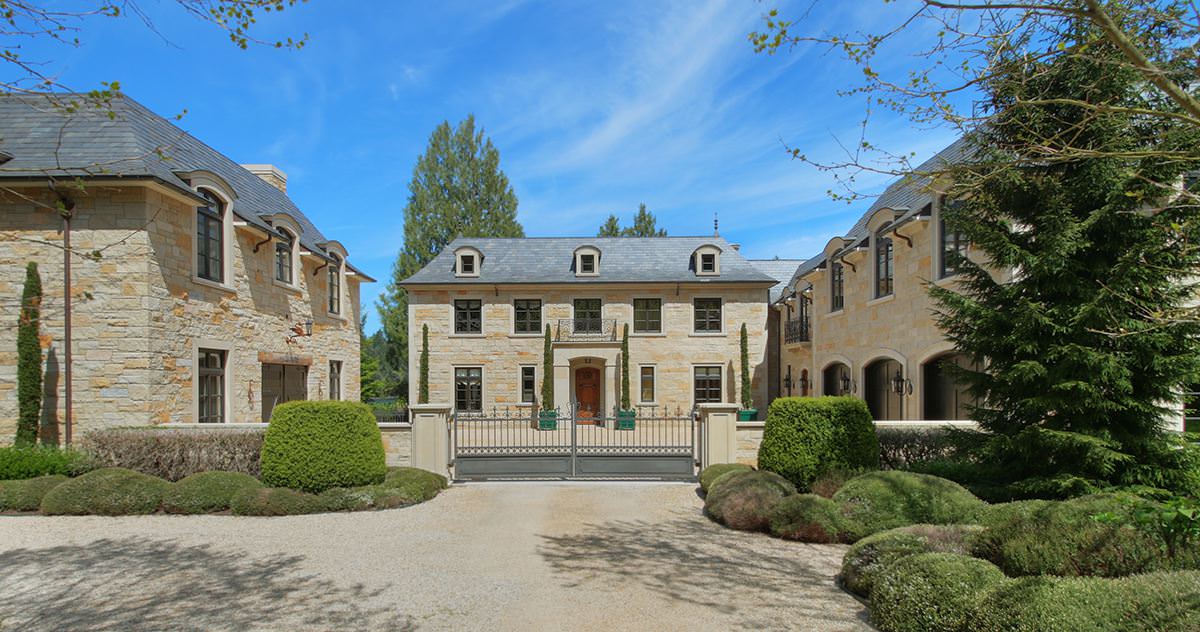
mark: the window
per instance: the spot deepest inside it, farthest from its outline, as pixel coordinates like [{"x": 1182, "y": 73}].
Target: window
[
  {"x": 467, "y": 261},
  {"x": 587, "y": 264},
  {"x": 212, "y": 386},
  {"x": 335, "y": 285},
  {"x": 646, "y": 383},
  {"x": 468, "y": 316},
  {"x": 282, "y": 383},
  {"x": 283, "y": 257},
  {"x": 837, "y": 286},
  {"x": 707, "y": 384},
  {"x": 647, "y": 315},
  {"x": 335, "y": 379},
  {"x": 468, "y": 389},
  {"x": 527, "y": 316},
  {"x": 883, "y": 264},
  {"x": 706, "y": 260},
  {"x": 587, "y": 261},
  {"x": 707, "y": 315},
  {"x": 466, "y": 264},
  {"x": 708, "y": 263},
  {"x": 210, "y": 238},
  {"x": 587, "y": 316},
  {"x": 953, "y": 244},
  {"x": 528, "y": 384}
]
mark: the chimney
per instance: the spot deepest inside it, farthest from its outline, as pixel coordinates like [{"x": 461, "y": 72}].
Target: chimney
[{"x": 271, "y": 174}]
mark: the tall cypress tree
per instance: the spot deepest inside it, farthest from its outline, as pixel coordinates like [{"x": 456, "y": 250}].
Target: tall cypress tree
[
  {"x": 423, "y": 385},
  {"x": 1079, "y": 369},
  {"x": 29, "y": 359},
  {"x": 457, "y": 190}
]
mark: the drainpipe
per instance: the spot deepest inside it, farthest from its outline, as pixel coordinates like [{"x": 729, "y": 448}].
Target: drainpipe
[{"x": 66, "y": 206}]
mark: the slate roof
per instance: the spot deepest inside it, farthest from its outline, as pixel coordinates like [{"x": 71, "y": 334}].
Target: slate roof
[
  {"x": 779, "y": 269},
  {"x": 135, "y": 143},
  {"x": 622, "y": 260}
]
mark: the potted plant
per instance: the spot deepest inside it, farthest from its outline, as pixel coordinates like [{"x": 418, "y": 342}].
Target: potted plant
[
  {"x": 547, "y": 416},
  {"x": 748, "y": 412},
  {"x": 625, "y": 414}
]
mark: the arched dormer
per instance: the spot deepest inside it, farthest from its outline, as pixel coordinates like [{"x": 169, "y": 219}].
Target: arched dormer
[
  {"x": 706, "y": 260},
  {"x": 287, "y": 249},
  {"x": 467, "y": 262},
  {"x": 587, "y": 261}
]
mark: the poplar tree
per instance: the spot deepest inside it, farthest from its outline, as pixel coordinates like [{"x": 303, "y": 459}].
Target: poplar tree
[{"x": 29, "y": 359}]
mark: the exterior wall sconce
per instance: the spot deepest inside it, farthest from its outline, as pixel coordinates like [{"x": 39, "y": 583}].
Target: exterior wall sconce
[
  {"x": 901, "y": 385},
  {"x": 847, "y": 383},
  {"x": 304, "y": 329}
]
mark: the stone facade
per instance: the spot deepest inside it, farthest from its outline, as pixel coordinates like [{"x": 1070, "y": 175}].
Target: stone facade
[{"x": 140, "y": 314}]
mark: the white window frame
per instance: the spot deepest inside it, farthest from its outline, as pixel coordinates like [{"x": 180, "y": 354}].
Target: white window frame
[
  {"x": 213, "y": 345},
  {"x": 580, "y": 253},
  {"x": 477, "y": 261},
  {"x": 698, "y": 258}
]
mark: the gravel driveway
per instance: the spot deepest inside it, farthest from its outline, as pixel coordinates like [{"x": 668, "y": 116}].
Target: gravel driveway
[{"x": 499, "y": 556}]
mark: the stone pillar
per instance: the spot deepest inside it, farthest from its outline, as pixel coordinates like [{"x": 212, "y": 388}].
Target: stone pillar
[
  {"x": 718, "y": 433},
  {"x": 612, "y": 389},
  {"x": 562, "y": 388},
  {"x": 431, "y": 437}
]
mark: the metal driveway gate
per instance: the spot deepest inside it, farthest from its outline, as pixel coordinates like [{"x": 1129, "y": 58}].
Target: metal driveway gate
[{"x": 515, "y": 444}]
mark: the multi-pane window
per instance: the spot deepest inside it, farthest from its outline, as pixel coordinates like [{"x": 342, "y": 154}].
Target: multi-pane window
[
  {"x": 210, "y": 238},
  {"x": 884, "y": 264},
  {"x": 953, "y": 244},
  {"x": 527, "y": 316},
  {"x": 707, "y": 384},
  {"x": 708, "y": 262},
  {"x": 283, "y": 257},
  {"x": 587, "y": 264},
  {"x": 468, "y": 316},
  {"x": 528, "y": 384},
  {"x": 647, "y": 315},
  {"x": 707, "y": 315},
  {"x": 212, "y": 386},
  {"x": 335, "y": 285},
  {"x": 646, "y": 384},
  {"x": 837, "y": 286},
  {"x": 587, "y": 316},
  {"x": 468, "y": 389},
  {"x": 466, "y": 264},
  {"x": 335, "y": 379}
]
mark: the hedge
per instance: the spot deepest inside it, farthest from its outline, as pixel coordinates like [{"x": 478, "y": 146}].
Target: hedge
[
  {"x": 931, "y": 592},
  {"x": 176, "y": 453},
  {"x": 276, "y": 501},
  {"x": 744, "y": 500},
  {"x": 809, "y": 518},
  {"x": 110, "y": 491},
  {"x": 879, "y": 501},
  {"x": 713, "y": 472},
  {"x": 314, "y": 446},
  {"x": 1155, "y": 601},
  {"x": 31, "y": 462},
  {"x": 806, "y": 436},
  {"x": 206, "y": 492},
  {"x": 27, "y": 494},
  {"x": 868, "y": 557},
  {"x": 901, "y": 447}
]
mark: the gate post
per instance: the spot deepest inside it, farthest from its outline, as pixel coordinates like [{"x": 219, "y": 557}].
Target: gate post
[
  {"x": 718, "y": 429},
  {"x": 431, "y": 437}
]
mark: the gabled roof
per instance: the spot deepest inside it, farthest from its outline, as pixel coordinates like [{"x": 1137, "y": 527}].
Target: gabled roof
[
  {"x": 124, "y": 139},
  {"x": 779, "y": 269},
  {"x": 622, "y": 260}
]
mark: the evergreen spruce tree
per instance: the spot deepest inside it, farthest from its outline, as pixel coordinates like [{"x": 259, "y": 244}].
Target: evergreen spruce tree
[
  {"x": 1078, "y": 370},
  {"x": 29, "y": 359},
  {"x": 457, "y": 190},
  {"x": 644, "y": 225},
  {"x": 423, "y": 384},
  {"x": 610, "y": 228}
]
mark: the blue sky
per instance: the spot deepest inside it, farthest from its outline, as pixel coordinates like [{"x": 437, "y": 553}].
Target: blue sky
[{"x": 595, "y": 107}]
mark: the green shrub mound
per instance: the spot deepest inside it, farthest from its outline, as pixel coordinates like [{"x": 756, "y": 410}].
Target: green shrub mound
[
  {"x": 806, "y": 436},
  {"x": 713, "y": 472},
  {"x": 879, "y": 501},
  {"x": 27, "y": 494},
  {"x": 869, "y": 557},
  {"x": 32, "y": 462},
  {"x": 1066, "y": 538},
  {"x": 1001, "y": 513},
  {"x": 313, "y": 446},
  {"x": 744, "y": 500},
  {"x": 413, "y": 485},
  {"x": 931, "y": 592},
  {"x": 276, "y": 501},
  {"x": 809, "y": 518},
  {"x": 206, "y": 492},
  {"x": 112, "y": 491},
  {"x": 1154, "y": 601}
]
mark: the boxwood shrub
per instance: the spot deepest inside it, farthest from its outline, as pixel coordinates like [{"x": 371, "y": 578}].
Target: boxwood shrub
[
  {"x": 313, "y": 446},
  {"x": 805, "y": 436},
  {"x": 30, "y": 462},
  {"x": 744, "y": 500},
  {"x": 27, "y": 494},
  {"x": 206, "y": 492},
  {"x": 931, "y": 592},
  {"x": 112, "y": 491},
  {"x": 276, "y": 501},
  {"x": 868, "y": 557},
  {"x": 809, "y": 518},
  {"x": 713, "y": 472},
  {"x": 879, "y": 501},
  {"x": 1154, "y": 601}
]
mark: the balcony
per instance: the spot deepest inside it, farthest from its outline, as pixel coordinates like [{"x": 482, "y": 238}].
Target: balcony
[
  {"x": 586, "y": 330},
  {"x": 797, "y": 330}
]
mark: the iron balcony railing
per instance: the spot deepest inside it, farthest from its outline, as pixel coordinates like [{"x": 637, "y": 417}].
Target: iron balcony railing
[
  {"x": 586, "y": 329},
  {"x": 797, "y": 330}
]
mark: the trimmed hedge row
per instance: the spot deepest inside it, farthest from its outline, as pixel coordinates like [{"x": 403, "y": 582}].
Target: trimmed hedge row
[
  {"x": 315, "y": 446},
  {"x": 806, "y": 436},
  {"x": 176, "y": 453}
]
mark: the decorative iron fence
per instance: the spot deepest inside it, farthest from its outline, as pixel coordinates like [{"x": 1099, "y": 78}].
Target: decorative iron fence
[{"x": 586, "y": 329}]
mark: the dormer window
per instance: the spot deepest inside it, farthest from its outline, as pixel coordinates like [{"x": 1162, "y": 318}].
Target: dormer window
[
  {"x": 706, "y": 260},
  {"x": 587, "y": 261},
  {"x": 467, "y": 262},
  {"x": 708, "y": 263},
  {"x": 587, "y": 264}
]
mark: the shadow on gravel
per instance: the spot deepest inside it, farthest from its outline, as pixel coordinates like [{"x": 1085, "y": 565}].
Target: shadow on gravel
[
  {"x": 135, "y": 584},
  {"x": 762, "y": 582}
]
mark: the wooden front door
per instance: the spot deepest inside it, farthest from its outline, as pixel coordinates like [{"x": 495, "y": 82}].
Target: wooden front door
[
  {"x": 587, "y": 391},
  {"x": 282, "y": 383}
]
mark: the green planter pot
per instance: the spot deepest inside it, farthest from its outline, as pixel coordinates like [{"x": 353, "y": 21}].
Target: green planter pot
[
  {"x": 748, "y": 414},
  {"x": 625, "y": 419},
  {"x": 548, "y": 420}
]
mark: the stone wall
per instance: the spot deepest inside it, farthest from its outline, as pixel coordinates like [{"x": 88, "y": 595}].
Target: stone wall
[
  {"x": 749, "y": 437},
  {"x": 397, "y": 443}
]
